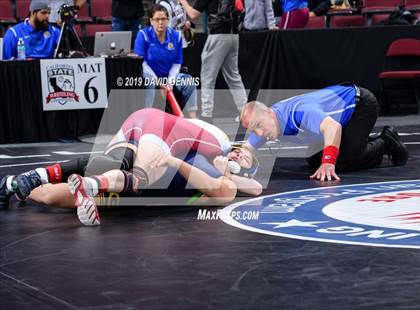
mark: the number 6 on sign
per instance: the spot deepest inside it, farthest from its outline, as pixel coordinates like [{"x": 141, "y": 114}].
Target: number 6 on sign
[
  {"x": 91, "y": 90},
  {"x": 73, "y": 84}
]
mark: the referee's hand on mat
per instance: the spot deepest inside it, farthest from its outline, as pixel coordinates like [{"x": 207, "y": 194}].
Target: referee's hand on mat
[{"x": 325, "y": 172}]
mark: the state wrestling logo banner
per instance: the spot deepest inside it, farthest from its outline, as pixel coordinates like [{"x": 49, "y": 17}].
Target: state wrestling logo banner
[
  {"x": 73, "y": 84},
  {"x": 376, "y": 214}
]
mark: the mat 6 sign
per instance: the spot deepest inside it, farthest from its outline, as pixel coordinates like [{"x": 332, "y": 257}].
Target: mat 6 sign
[
  {"x": 375, "y": 214},
  {"x": 72, "y": 84}
]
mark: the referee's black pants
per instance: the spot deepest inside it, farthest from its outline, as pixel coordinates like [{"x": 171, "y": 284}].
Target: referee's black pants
[{"x": 357, "y": 150}]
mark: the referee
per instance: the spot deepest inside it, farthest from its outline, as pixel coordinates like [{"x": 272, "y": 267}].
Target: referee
[{"x": 339, "y": 118}]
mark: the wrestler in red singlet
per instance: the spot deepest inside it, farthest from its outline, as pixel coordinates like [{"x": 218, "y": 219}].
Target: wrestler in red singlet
[{"x": 173, "y": 134}]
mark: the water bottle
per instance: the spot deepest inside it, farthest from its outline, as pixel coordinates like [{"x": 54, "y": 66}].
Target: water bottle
[{"x": 21, "y": 52}]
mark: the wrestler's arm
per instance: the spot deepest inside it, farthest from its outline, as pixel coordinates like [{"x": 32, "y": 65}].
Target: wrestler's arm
[
  {"x": 247, "y": 185},
  {"x": 220, "y": 190}
]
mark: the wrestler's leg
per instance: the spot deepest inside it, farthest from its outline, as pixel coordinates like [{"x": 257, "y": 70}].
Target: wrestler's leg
[
  {"x": 54, "y": 195},
  {"x": 140, "y": 177},
  {"x": 24, "y": 183},
  {"x": 120, "y": 158},
  {"x": 148, "y": 152},
  {"x": 117, "y": 180}
]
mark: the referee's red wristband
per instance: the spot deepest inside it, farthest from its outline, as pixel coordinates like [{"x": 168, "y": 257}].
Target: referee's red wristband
[{"x": 330, "y": 155}]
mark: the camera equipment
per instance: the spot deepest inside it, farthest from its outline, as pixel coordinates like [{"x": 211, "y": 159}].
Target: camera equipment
[
  {"x": 69, "y": 44},
  {"x": 68, "y": 12}
]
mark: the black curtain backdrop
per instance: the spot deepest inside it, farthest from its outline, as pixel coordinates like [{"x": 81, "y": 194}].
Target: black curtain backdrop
[
  {"x": 318, "y": 58},
  {"x": 22, "y": 118},
  {"x": 308, "y": 58},
  {"x": 293, "y": 59}
]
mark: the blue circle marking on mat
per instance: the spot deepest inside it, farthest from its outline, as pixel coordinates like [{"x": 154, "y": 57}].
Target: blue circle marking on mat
[{"x": 385, "y": 214}]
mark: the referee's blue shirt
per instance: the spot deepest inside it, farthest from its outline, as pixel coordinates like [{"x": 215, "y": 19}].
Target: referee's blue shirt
[
  {"x": 300, "y": 117},
  {"x": 159, "y": 56},
  {"x": 38, "y": 43}
]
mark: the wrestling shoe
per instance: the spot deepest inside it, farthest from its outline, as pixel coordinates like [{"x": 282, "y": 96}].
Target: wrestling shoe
[
  {"x": 87, "y": 212},
  {"x": 394, "y": 147},
  {"x": 24, "y": 183},
  {"x": 5, "y": 194}
]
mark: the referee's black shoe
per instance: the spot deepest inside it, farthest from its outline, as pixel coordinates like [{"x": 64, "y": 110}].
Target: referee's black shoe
[
  {"x": 394, "y": 147},
  {"x": 5, "y": 194}
]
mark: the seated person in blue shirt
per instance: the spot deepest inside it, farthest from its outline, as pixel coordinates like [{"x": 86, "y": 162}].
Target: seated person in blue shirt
[
  {"x": 39, "y": 36},
  {"x": 161, "y": 49},
  {"x": 338, "y": 118}
]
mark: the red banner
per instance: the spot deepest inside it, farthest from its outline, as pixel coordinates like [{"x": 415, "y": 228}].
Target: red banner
[{"x": 62, "y": 94}]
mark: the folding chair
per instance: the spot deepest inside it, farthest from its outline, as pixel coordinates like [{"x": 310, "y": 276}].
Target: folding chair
[
  {"x": 316, "y": 22},
  {"x": 347, "y": 21},
  {"x": 22, "y": 9},
  {"x": 101, "y": 10},
  {"x": 372, "y": 7},
  {"x": 401, "y": 82}
]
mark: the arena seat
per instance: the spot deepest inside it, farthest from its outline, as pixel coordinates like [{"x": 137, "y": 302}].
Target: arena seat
[
  {"x": 377, "y": 19},
  {"x": 339, "y": 12},
  {"x": 7, "y": 15},
  {"x": 347, "y": 21},
  {"x": 84, "y": 14},
  {"x": 91, "y": 29},
  {"x": 379, "y": 6},
  {"x": 401, "y": 80},
  {"x": 316, "y": 22},
  {"x": 412, "y": 5},
  {"x": 372, "y": 7},
  {"x": 22, "y": 9},
  {"x": 101, "y": 10}
]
